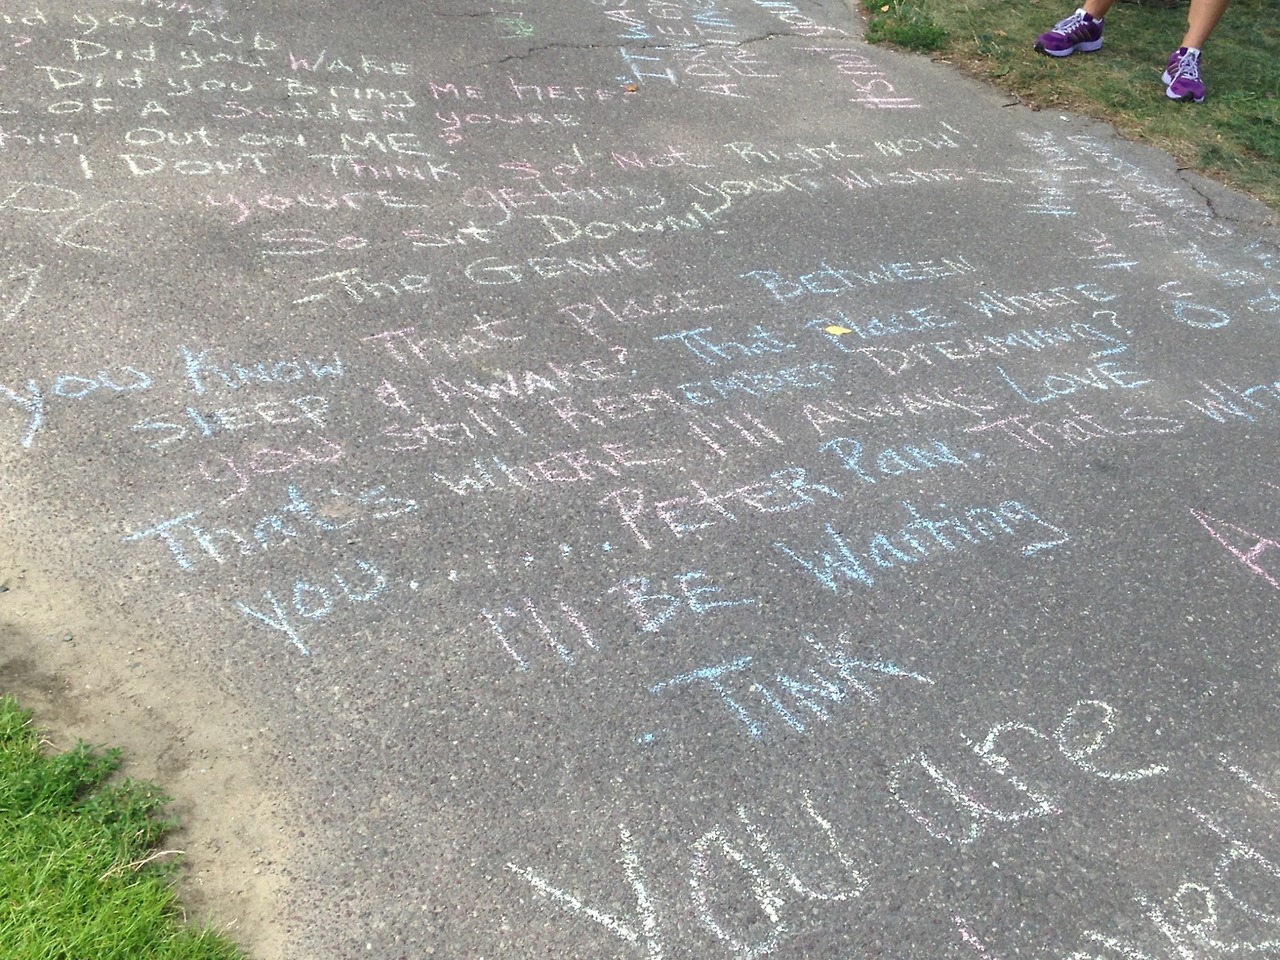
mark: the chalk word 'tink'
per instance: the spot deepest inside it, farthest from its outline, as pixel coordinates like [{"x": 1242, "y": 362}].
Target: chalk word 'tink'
[{"x": 816, "y": 693}]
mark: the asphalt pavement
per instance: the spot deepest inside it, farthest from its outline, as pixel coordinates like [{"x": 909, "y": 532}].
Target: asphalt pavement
[{"x": 660, "y": 479}]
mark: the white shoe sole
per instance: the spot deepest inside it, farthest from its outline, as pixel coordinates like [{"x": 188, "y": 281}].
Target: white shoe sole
[{"x": 1091, "y": 47}]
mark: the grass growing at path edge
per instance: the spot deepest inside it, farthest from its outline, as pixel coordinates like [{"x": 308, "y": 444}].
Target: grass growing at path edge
[
  {"x": 76, "y": 881},
  {"x": 1233, "y": 136}
]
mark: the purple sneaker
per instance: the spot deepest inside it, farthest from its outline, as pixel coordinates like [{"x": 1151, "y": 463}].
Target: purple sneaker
[
  {"x": 1182, "y": 78},
  {"x": 1078, "y": 32}
]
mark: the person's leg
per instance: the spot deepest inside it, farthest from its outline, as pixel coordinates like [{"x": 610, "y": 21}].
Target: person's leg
[
  {"x": 1182, "y": 78},
  {"x": 1097, "y": 8},
  {"x": 1201, "y": 19}
]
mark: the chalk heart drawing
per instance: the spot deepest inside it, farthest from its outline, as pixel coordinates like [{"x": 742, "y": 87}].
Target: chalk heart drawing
[{"x": 17, "y": 285}]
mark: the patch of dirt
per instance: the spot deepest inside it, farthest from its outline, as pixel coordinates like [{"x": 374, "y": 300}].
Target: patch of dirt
[{"x": 88, "y": 673}]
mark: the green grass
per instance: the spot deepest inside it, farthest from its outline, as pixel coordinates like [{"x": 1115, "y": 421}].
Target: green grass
[
  {"x": 904, "y": 23},
  {"x": 1233, "y": 136},
  {"x": 81, "y": 877}
]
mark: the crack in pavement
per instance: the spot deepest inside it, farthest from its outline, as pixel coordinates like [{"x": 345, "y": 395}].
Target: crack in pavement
[
  {"x": 1225, "y": 203},
  {"x": 1203, "y": 195}
]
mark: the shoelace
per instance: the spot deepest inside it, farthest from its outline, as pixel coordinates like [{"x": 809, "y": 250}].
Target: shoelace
[
  {"x": 1189, "y": 67},
  {"x": 1070, "y": 25}
]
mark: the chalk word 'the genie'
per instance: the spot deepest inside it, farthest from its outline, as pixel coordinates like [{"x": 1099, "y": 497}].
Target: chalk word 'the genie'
[{"x": 920, "y": 538}]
